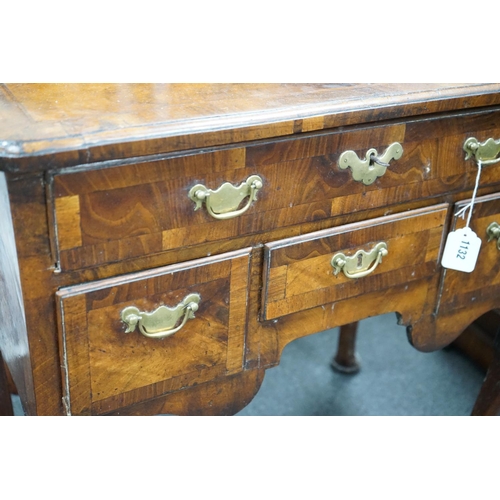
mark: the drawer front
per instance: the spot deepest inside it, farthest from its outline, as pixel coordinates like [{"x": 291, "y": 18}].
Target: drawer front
[
  {"x": 111, "y": 214},
  {"x": 299, "y": 274},
  {"x": 461, "y": 289},
  {"x": 106, "y": 366},
  {"x": 432, "y": 163}
]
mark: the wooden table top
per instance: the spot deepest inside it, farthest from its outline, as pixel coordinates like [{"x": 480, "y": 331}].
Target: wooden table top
[{"x": 71, "y": 124}]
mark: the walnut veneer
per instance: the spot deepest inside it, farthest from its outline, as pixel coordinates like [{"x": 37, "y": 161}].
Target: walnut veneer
[{"x": 97, "y": 217}]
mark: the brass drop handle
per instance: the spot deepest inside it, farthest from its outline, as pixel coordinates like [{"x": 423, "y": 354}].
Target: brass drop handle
[
  {"x": 493, "y": 233},
  {"x": 487, "y": 152},
  {"x": 373, "y": 165},
  {"x": 162, "y": 321},
  {"x": 223, "y": 203},
  {"x": 358, "y": 265}
]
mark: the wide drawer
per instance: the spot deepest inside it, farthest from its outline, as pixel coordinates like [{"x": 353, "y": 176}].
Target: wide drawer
[
  {"x": 120, "y": 212},
  {"x": 299, "y": 273},
  {"x": 107, "y": 366}
]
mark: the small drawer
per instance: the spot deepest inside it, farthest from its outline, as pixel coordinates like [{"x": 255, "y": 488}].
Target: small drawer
[
  {"x": 129, "y": 339},
  {"x": 299, "y": 273},
  {"x": 461, "y": 290}
]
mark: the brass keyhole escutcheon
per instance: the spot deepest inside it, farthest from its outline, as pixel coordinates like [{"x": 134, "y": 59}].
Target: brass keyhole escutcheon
[{"x": 372, "y": 166}]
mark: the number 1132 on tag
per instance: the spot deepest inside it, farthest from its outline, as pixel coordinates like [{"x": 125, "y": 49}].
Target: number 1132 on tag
[{"x": 461, "y": 250}]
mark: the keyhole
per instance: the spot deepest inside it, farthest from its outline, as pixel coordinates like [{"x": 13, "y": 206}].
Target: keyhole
[
  {"x": 372, "y": 161},
  {"x": 360, "y": 261}
]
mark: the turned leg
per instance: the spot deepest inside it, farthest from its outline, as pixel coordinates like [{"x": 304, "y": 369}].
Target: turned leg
[
  {"x": 346, "y": 361},
  {"x": 488, "y": 401},
  {"x": 5, "y": 399}
]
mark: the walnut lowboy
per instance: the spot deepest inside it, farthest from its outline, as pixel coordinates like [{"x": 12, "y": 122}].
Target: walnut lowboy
[{"x": 159, "y": 254}]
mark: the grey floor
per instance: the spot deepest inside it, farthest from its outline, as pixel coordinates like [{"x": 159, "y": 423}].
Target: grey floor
[{"x": 395, "y": 379}]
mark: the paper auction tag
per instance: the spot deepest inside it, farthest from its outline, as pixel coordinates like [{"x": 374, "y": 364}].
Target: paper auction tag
[{"x": 461, "y": 250}]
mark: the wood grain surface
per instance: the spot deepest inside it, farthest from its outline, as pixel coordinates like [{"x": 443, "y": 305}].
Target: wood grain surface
[
  {"x": 71, "y": 124},
  {"x": 487, "y": 270},
  {"x": 106, "y": 368},
  {"x": 95, "y": 187},
  {"x": 299, "y": 272},
  {"x": 121, "y": 212}
]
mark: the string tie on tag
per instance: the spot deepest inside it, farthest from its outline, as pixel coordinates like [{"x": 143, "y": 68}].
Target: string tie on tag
[{"x": 461, "y": 212}]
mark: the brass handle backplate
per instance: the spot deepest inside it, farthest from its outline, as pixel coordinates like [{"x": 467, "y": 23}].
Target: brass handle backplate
[
  {"x": 163, "y": 321},
  {"x": 358, "y": 265},
  {"x": 487, "y": 152},
  {"x": 493, "y": 233},
  {"x": 373, "y": 166},
  {"x": 223, "y": 203}
]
